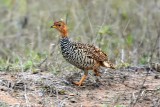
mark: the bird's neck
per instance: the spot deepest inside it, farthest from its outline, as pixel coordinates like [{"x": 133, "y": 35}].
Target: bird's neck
[
  {"x": 64, "y": 33},
  {"x": 64, "y": 40}
]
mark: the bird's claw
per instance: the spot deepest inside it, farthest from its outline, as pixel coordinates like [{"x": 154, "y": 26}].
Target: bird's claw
[{"x": 77, "y": 83}]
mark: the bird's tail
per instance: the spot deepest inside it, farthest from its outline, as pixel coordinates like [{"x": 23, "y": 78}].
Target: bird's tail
[{"x": 108, "y": 64}]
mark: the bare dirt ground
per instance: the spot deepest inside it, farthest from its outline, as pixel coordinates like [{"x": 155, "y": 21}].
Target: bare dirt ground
[{"x": 133, "y": 86}]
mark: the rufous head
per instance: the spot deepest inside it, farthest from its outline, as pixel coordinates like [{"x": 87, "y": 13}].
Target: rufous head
[{"x": 61, "y": 27}]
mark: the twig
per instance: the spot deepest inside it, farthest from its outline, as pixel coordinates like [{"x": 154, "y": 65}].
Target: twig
[
  {"x": 25, "y": 95},
  {"x": 132, "y": 104},
  {"x": 154, "y": 47},
  {"x": 124, "y": 30},
  {"x": 43, "y": 61},
  {"x": 67, "y": 18},
  {"x": 40, "y": 64},
  {"x": 126, "y": 27}
]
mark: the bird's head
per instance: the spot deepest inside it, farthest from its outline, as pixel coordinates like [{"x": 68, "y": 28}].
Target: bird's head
[{"x": 61, "y": 27}]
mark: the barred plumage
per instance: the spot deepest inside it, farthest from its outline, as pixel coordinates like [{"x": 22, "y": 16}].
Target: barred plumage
[
  {"x": 76, "y": 54},
  {"x": 83, "y": 56}
]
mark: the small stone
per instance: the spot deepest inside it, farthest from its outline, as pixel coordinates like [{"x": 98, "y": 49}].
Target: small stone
[
  {"x": 157, "y": 77},
  {"x": 73, "y": 100},
  {"x": 71, "y": 94}
]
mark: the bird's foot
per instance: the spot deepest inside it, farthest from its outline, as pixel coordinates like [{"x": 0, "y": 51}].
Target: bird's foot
[
  {"x": 81, "y": 81},
  {"x": 112, "y": 66},
  {"x": 97, "y": 74},
  {"x": 77, "y": 83}
]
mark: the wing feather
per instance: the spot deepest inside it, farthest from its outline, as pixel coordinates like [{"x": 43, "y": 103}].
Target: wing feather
[{"x": 92, "y": 52}]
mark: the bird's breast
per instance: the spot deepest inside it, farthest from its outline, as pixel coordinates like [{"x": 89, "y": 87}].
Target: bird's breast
[{"x": 75, "y": 56}]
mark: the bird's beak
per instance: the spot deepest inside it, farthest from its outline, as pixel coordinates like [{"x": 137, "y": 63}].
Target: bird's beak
[{"x": 53, "y": 26}]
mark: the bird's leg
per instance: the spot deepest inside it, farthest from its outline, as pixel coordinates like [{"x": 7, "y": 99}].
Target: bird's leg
[
  {"x": 96, "y": 72},
  {"x": 82, "y": 79},
  {"x": 96, "y": 68}
]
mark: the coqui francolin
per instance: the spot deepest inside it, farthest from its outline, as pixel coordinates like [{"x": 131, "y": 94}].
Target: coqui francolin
[{"x": 83, "y": 56}]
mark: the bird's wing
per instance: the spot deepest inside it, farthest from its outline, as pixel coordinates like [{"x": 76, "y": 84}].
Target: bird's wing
[{"x": 92, "y": 52}]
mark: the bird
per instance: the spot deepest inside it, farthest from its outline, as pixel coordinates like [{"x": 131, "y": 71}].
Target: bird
[{"x": 84, "y": 56}]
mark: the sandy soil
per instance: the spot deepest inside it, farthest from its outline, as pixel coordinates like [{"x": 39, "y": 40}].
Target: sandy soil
[{"x": 134, "y": 87}]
